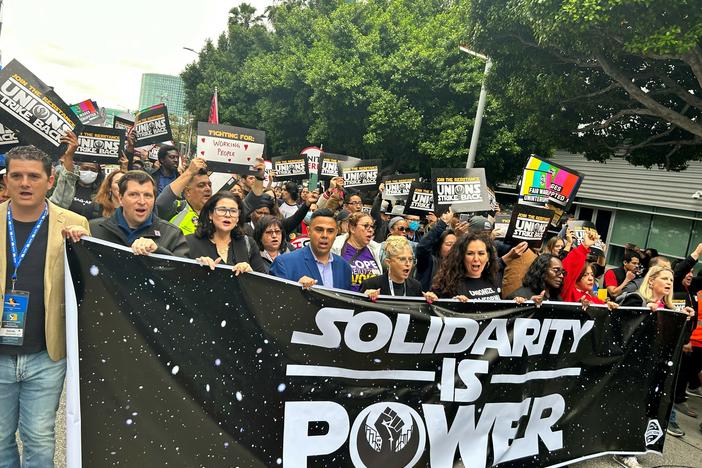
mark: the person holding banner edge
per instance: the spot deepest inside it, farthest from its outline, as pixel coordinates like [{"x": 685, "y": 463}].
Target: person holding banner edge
[{"x": 32, "y": 359}]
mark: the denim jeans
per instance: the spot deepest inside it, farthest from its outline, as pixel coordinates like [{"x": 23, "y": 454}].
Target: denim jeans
[{"x": 30, "y": 389}]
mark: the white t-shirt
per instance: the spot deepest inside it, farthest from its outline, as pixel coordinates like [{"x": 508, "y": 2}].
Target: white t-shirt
[{"x": 287, "y": 210}]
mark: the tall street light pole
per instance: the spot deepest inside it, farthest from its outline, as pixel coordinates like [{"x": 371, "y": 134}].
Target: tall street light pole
[{"x": 481, "y": 106}]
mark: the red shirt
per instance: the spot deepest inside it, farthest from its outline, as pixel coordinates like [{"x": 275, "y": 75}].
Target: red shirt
[{"x": 573, "y": 264}]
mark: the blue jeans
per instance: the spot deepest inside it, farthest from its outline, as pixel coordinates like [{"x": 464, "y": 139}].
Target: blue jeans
[{"x": 30, "y": 389}]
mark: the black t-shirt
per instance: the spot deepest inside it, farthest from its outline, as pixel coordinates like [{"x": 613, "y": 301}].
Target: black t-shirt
[
  {"x": 82, "y": 199},
  {"x": 30, "y": 278},
  {"x": 477, "y": 289}
]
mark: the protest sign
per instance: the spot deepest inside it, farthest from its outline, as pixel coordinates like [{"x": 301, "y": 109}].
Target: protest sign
[
  {"x": 122, "y": 121},
  {"x": 34, "y": 110},
  {"x": 361, "y": 174},
  {"x": 312, "y": 155},
  {"x": 8, "y": 139},
  {"x": 564, "y": 182},
  {"x": 265, "y": 373},
  {"x": 330, "y": 164},
  {"x": 397, "y": 187},
  {"x": 221, "y": 181},
  {"x": 535, "y": 187},
  {"x": 528, "y": 223},
  {"x": 463, "y": 190},
  {"x": 100, "y": 145},
  {"x": 290, "y": 168},
  {"x": 580, "y": 230},
  {"x": 88, "y": 112},
  {"x": 420, "y": 200},
  {"x": 502, "y": 221},
  {"x": 152, "y": 125},
  {"x": 229, "y": 149}
]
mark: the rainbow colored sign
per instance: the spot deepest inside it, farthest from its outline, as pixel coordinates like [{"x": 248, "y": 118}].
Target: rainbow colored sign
[
  {"x": 564, "y": 182},
  {"x": 535, "y": 188}
]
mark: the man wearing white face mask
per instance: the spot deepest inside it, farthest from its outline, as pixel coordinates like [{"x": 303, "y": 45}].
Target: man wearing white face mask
[{"x": 89, "y": 181}]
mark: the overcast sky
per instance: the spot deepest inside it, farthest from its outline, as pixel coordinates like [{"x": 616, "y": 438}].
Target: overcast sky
[{"x": 96, "y": 49}]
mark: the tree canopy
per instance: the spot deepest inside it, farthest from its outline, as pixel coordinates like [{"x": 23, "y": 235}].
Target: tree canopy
[
  {"x": 602, "y": 77},
  {"x": 373, "y": 79}
]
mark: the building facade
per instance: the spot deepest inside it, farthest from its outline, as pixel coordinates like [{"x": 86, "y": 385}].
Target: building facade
[{"x": 166, "y": 89}]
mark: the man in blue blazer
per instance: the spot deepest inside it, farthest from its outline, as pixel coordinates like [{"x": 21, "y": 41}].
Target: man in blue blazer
[{"x": 314, "y": 263}]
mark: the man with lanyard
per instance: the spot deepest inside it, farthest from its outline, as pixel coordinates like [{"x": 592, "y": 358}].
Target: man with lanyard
[
  {"x": 32, "y": 337},
  {"x": 195, "y": 186},
  {"x": 315, "y": 263}
]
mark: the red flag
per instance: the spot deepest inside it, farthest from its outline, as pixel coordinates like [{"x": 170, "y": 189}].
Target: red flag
[{"x": 214, "y": 111}]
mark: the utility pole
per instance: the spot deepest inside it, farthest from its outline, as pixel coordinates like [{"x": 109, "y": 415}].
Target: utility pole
[{"x": 481, "y": 106}]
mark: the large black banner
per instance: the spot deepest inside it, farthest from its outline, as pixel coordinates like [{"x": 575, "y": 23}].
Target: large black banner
[
  {"x": 183, "y": 366},
  {"x": 32, "y": 108}
]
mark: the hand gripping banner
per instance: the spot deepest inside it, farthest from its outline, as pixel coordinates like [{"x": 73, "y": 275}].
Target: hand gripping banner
[{"x": 184, "y": 366}]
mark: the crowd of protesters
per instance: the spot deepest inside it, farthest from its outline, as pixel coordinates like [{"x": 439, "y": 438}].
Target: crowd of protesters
[{"x": 286, "y": 230}]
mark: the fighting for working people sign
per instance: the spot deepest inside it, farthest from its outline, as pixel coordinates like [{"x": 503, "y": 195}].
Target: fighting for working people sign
[
  {"x": 229, "y": 149},
  {"x": 34, "y": 110},
  {"x": 184, "y": 366},
  {"x": 100, "y": 144}
]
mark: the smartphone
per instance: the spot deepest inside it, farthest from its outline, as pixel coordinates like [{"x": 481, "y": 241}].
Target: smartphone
[{"x": 464, "y": 217}]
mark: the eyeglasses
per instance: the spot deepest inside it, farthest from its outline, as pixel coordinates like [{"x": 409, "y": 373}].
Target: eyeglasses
[
  {"x": 558, "y": 271},
  {"x": 367, "y": 227},
  {"x": 402, "y": 228},
  {"x": 270, "y": 232},
  {"x": 409, "y": 260},
  {"x": 224, "y": 211}
]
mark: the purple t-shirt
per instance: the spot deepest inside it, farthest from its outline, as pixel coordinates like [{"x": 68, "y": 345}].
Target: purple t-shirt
[{"x": 362, "y": 267}]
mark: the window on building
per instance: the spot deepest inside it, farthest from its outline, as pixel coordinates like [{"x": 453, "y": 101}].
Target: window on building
[
  {"x": 631, "y": 227},
  {"x": 670, "y": 236}
]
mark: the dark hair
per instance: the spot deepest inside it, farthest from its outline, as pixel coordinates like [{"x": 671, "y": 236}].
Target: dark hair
[
  {"x": 163, "y": 150},
  {"x": 353, "y": 193},
  {"x": 322, "y": 212},
  {"x": 437, "y": 247},
  {"x": 264, "y": 223},
  {"x": 28, "y": 153},
  {"x": 103, "y": 197},
  {"x": 205, "y": 226},
  {"x": 292, "y": 189},
  {"x": 629, "y": 254},
  {"x": 535, "y": 277},
  {"x": 140, "y": 177},
  {"x": 453, "y": 270}
]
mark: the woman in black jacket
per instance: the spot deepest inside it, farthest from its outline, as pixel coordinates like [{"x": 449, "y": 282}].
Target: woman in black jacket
[
  {"x": 396, "y": 280},
  {"x": 219, "y": 237}
]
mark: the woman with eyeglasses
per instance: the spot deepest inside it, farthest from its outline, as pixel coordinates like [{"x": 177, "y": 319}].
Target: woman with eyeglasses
[
  {"x": 470, "y": 271},
  {"x": 270, "y": 237},
  {"x": 543, "y": 280},
  {"x": 219, "y": 237},
  {"x": 579, "y": 281},
  {"x": 359, "y": 249},
  {"x": 396, "y": 280}
]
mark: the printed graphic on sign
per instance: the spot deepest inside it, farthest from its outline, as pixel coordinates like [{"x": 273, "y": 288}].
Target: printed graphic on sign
[
  {"x": 99, "y": 144},
  {"x": 289, "y": 168},
  {"x": 528, "y": 224},
  {"x": 229, "y": 149},
  {"x": 89, "y": 112},
  {"x": 502, "y": 221},
  {"x": 33, "y": 109},
  {"x": 397, "y": 187},
  {"x": 420, "y": 200},
  {"x": 463, "y": 190},
  {"x": 535, "y": 187},
  {"x": 564, "y": 182},
  {"x": 121, "y": 121},
  {"x": 8, "y": 139},
  {"x": 152, "y": 126},
  {"x": 330, "y": 164},
  {"x": 583, "y": 228},
  {"x": 362, "y": 174}
]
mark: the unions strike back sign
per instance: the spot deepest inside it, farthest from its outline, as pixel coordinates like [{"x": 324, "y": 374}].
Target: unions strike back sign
[
  {"x": 330, "y": 164},
  {"x": 289, "y": 168},
  {"x": 152, "y": 125},
  {"x": 463, "y": 190},
  {"x": 34, "y": 110},
  {"x": 8, "y": 139},
  {"x": 361, "y": 174},
  {"x": 528, "y": 224},
  {"x": 265, "y": 373},
  {"x": 397, "y": 187},
  {"x": 100, "y": 144},
  {"x": 420, "y": 199},
  {"x": 229, "y": 149}
]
